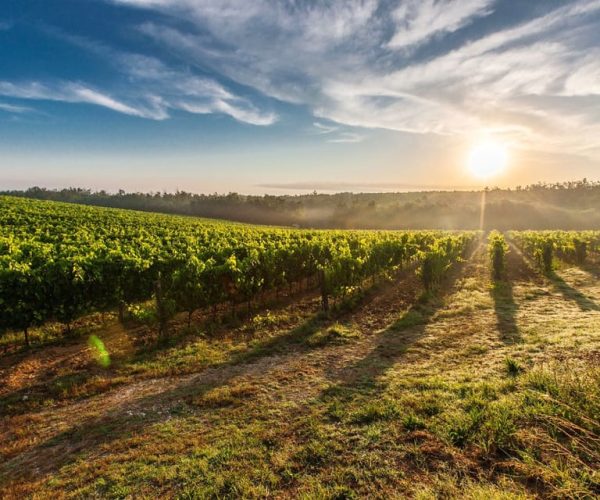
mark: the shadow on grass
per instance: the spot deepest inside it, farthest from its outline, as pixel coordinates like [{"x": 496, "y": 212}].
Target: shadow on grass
[
  {"x": 392, "y": 343},
  {"x": 363, "y": 378},
  {"x": 518, "y": 270},
  {"x": 505, "y": 308},
  {"x": 32, "y": 397},
  {"x": 126, "y": 419},
  {"x": 590, "y": 268},
  {"x": 568, "y": 292},
  {"x": 296, "y": 337}
]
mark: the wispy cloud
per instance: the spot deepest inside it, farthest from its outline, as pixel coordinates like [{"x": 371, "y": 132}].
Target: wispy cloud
[
  {"x": 337, "y": 133},
  {"x": 75, "y": 93},
  {"x": 532, "y": 78},
  {"x": 11, "y": 108},
  {"x": 417, "y": 21},
  {"x": 323, "y": 128},
  {"x": 152, "y": 91},
  {"x": 191, "y": 93},
  {"x": 347, "y": 137}
]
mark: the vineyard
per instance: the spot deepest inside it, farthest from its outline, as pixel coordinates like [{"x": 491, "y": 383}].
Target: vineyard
[
  {"x": 147, "y": 355},
  {"x": 59, "y": 262},
  {"x": 570, "y": 246}
]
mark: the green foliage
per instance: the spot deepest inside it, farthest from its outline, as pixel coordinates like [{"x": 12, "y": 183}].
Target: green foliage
[
  {"x": 570, "y": 246},
  {"x": 60, "y": 261},
  {"x": 497, "y": 249},
  {"x": 580, "y": 250},
  {"x": 141, "y": 313},
  {"x": 439, "y": 255}
]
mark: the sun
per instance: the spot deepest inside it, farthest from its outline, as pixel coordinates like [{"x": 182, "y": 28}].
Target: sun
[{"x": 487, "y": 159}]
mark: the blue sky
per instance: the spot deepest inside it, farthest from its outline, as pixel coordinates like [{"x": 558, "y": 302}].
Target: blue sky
[{"x": 284, "y": 96}]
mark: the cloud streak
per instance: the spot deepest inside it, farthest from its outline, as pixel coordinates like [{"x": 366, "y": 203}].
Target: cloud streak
[
  {"x": 336, "y": 133},
  {"x": 73, "y": 93},
  {"x": 185, "y": 91},
  {"x": 11, "y": 108},
  {"x": 447, "y": 67},
  {"x": 420, "y": 20},
  {"x": 153, "y": 89},
  {"x": 353, "y": 62},
  {"x": 163, "y": 94}
]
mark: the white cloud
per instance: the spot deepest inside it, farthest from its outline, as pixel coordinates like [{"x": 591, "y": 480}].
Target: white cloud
[
  {"x": 152, "y": 88},
  {"x": 320, "y": 23},
  {"x": 337, "y": 134},
  {"x": 83, "y": 94},
  {"x": 11, "y": 108},
  {"x": 238, "y": 112},
  {"x": 585, "y": 79},
  {"x": 157, "y": 88},
  {"x": 323, "y": 128},
  {"x": 75, "y": 93},
  {"x": 419, "y": 20},
  {"x": 347, "y": 137},
  {"x": 351, "y": 62},
  {"x": 188, "y": 92}
]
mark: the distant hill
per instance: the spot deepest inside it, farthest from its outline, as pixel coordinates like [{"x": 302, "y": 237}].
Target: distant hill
[{"x": 569, "y": 205}]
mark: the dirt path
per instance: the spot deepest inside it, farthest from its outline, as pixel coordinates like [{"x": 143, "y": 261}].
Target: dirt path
[
  {"x": 391, "y": 337},
  {"x": 283, "y": 378}
]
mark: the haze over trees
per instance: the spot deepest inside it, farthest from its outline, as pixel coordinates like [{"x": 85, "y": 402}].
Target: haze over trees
[{"x": 567, "y": 205}]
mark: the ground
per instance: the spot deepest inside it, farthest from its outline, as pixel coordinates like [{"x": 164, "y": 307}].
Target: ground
[{"x": 480, "y": 390}]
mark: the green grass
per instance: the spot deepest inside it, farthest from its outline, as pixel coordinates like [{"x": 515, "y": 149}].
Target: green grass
[{"x": 438, "y": 403}]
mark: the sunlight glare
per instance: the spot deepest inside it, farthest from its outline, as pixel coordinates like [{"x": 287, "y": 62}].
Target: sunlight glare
[{"x": 487, "y": 159}]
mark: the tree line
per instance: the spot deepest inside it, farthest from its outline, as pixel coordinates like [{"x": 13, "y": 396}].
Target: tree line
[{"x": 568, "y": 205}]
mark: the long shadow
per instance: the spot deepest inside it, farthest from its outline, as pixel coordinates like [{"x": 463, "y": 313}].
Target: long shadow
[
  {"x": 124, "y": 421},
  {"x": 391, "y": 344},
  {"x": 505, "y": 306},
  {"x": 363, "y": 377},
  {"x": 505, "y": 309},
  {"x": 566, "y": 290},
  {"x": 570, "y": 293},
  {"x": 296, "y": 336},
  {"x": 591, "y": 268},
  {"x": 30, "y": 397}
]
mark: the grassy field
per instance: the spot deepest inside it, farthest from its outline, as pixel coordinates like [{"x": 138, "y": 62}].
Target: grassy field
[{"x": 483, "y": 390}]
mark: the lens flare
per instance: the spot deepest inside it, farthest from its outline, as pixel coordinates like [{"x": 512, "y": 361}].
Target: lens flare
[{"x": 100, "y": 351}]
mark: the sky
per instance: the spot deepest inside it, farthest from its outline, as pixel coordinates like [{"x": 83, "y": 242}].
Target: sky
[{"x": 267, "y": 96}]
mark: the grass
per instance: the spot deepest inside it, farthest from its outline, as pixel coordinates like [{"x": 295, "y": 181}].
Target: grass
[
  {"x": 513, "y": 367},
  {"x": 397, "y": 395},
  {"x": 332, "y": 334}
]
